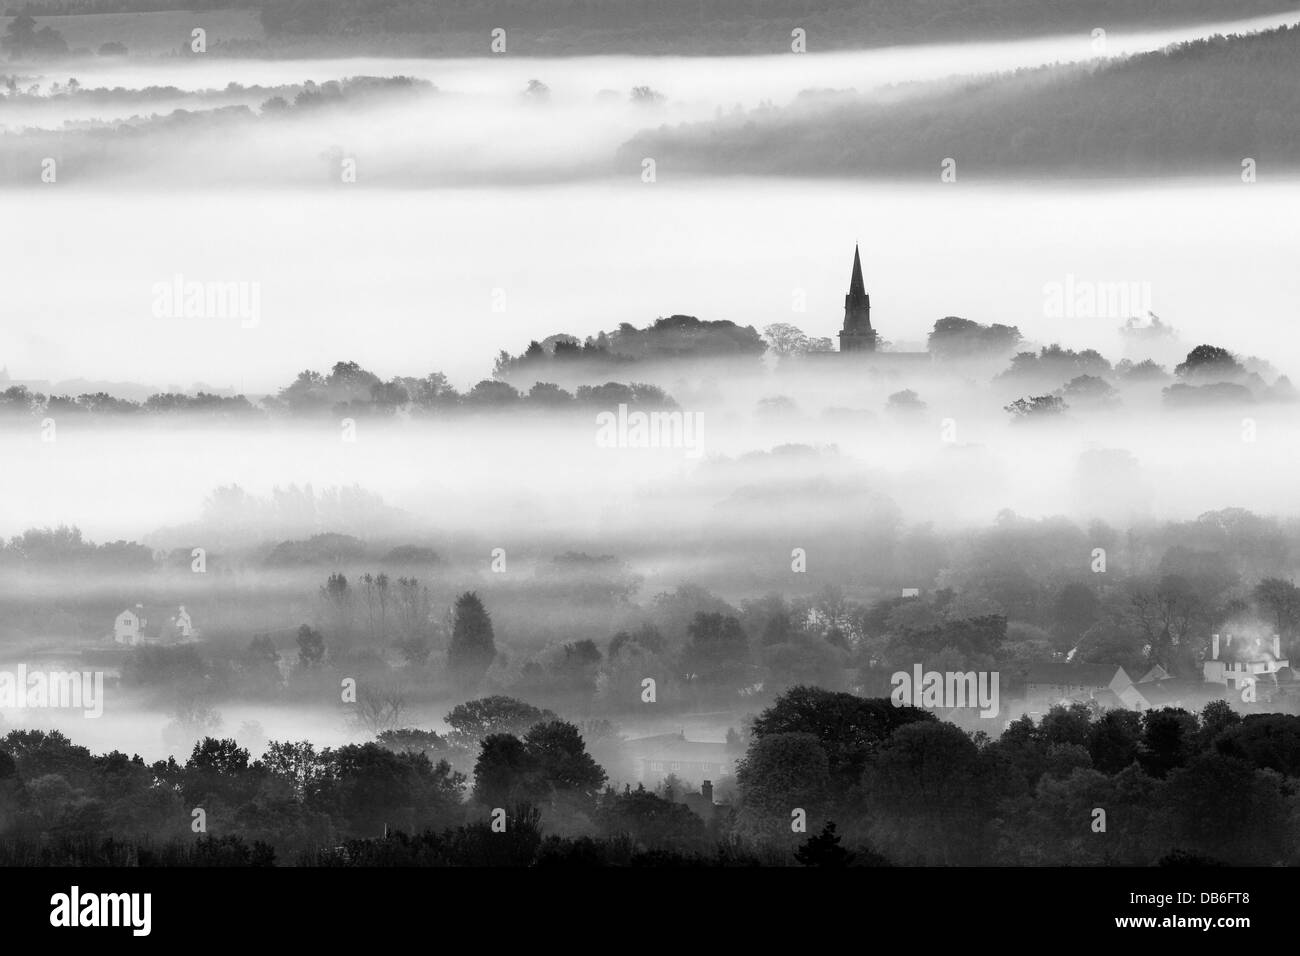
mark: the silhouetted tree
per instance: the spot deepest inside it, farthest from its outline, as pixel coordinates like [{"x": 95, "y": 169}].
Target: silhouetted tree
[
  {"x": 311, "y": 646},
  {"x": 824, "y": 849},
  {"x": 473, "y": 645}
]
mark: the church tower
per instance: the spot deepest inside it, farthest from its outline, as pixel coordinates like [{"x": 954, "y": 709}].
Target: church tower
[{"x": 857, "y": 335}]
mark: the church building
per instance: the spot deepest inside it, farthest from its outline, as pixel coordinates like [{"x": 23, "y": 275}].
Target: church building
[
  {"x": 859, "y": 338},
  {"x": 857, "y": 335}
]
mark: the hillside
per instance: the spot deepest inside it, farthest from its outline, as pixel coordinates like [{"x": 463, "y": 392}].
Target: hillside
[
  {"x": 556, "y": 27},
  {"x": 1196, "y": 107}
]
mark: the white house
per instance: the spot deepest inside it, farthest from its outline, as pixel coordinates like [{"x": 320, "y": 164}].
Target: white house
[
  {"x": 693, "y": 761},
  {"x": 129, "y": 625},
  {"x": 132, "y": 626},
  {"x": 1245, "y": 663}
]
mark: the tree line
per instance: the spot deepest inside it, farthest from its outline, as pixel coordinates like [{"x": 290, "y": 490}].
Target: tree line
[{"x": 827, "y": 779}]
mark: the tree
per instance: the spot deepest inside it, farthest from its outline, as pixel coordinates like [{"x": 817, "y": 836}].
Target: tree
[
  {"x": 1075, "y": 610},
  {"x": 311, "y": 646},
  {"x": 784, "y": 339},
  {"x": 23, "y": 39},
  {"x": 223, "y": 757},
  {"x": 217, "y": 770},
  {"x": 1066, "y": 725},
  {"x": 549, "y": 395},
  {"x": 432, "y": 393},
  {"x": 1089, "y": 390},
  {"x": 928, "y": 796},
  {"x": 1216, "y": 717},
  {"x": 473, "y": 645},
  {"x": 1282, "y": 600},
  {"x": 261, "y": 650},
  {"x": 970, "y": 636},
  {"x": 1148, "y": 370},
  {"x": 561, "y": 759},
  {"x": 645, "y": 96},
  {"x": 650, "y": 820},
  {"x": 367, "y": 786},
  {"x": 905, "y": 403},
  {"x": 824, "y": 850},
  {"x": 1168, "y": 737},
  {"x": 338, "y": 599},
  {"x": 1266, "y": 741},
  {"x": 307, "y": 394},
  {"x": 1170, "y": 613},
  {"x": 1037, "y": 408},
  {"x": 414, "y": 613},
  {"x": 503, "y": 772},
  {"x": 646, "y": 639},
  {"x": 1225, "y": 809},
  {"x": 1209, "y": 362},
  {"x": 378, "y": 708},
  {"x": 297, "y": 765},
  {"x": 474, "y": 720},
  {"x": 575, "y": 669},
  {"x": 955, "y": 338},
  {"x": 1114, "y": 740},
  {"x": 718, "y": 647},
  {"x": 849, "y": 728},
  {"x": 551, "y": 761},
  {"x": 490, "y": 394},
  {"x": 779, "y": 774}
]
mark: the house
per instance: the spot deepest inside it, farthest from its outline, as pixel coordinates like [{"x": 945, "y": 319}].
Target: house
[
  {"x": 1156, "y": 673},
  {"x": 141, "y": 625},
  {"x": 1063, "y": 683},
  {"x": 689, "y": 760},
  {"x": 130, "y": 625},
  {"x": 1246, "y": 663},
  {"x": 701, "y": 804},
  {"x": 1190, "y": 695}
]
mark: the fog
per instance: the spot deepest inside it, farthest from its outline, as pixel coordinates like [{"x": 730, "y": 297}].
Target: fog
[
  {"x": 835, "y": 476},
  {"x": 477, "y": 127},
  {"x": 747, "y": 80},
  {"x": 503, "y": 221},
  {"x": 487, "y": 268},
  {"x": 477, "y": 271}
]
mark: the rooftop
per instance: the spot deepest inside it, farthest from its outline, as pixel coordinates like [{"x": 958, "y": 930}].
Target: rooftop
[{"x": 1081, "y": 675}]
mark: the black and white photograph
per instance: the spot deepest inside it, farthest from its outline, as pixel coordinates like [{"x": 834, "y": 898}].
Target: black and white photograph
[{"x": 681, "y": 443}]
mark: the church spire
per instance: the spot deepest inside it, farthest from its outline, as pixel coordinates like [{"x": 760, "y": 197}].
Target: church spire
[
  {"x": 856, "y": 286},
  {"x": 857, "y": 336}
]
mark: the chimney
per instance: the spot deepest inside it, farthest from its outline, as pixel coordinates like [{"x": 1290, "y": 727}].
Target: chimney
[
  {"x": 1214, "y": 648},
  {"x": 1277, "y": 647},
  {"x": 706, "y": 788}
]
